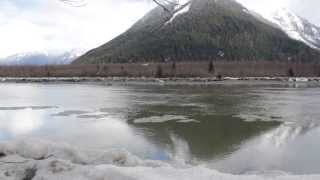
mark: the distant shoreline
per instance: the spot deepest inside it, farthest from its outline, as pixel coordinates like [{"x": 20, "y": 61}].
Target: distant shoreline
[
  {"x": 145, "y": 80},
  {"x": 206, "y": 70}
]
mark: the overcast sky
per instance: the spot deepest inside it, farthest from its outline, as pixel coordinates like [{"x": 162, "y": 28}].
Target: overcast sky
[
  {"x": 49, "y": 25},
  {"x": 308, "y": 9}
]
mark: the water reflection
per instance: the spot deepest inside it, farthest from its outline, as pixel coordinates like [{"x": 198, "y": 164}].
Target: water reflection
[
  {"x": 21, "y": 122},
  {"x": 288, "y": 132},
  {"x": 292, "y": 147},
  {"x": 288, "y": 148},
  {"x": 211, "y": 132},
  {"x": 241, "y": 130},
  {"x": 213, "y": 137}
]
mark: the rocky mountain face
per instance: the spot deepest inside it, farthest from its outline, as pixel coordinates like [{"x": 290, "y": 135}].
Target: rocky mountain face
[
  {"x": 41, "y": 58},
  {"x": 297, "y": 27},
  {"x": 201, "y": 30}
]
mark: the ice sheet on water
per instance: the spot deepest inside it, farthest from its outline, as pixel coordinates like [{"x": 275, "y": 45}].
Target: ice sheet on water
[
  {"x": 165, "y": 118},
  {"x": 14, "y": 108},
  {"x": 45, "y": 160},
  {"x": 70, "y": 113},
  {"x": 257, "y": 117}
]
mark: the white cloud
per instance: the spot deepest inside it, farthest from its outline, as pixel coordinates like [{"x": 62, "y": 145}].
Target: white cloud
[{"x": 51, "y": 25}]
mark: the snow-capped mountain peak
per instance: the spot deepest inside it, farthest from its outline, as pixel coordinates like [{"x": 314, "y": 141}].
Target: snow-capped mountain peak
[
  {"x": 296, "y": 27},
  {"x": 42, "y": 58}
]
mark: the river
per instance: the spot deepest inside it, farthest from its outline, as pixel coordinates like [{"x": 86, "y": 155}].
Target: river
[{"x": 232, "y": 127}]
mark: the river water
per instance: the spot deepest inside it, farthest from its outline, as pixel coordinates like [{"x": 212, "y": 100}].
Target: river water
[{"x": 232, "y": 127}]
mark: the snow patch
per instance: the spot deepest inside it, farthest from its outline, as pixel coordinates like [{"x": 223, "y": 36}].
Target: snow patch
[
  {"x": 245, "y": 10},
  {"x": 181, "y": 8},
  {"x": 35, "y": 149},
  {"x": 30, "y": 159},
  {"x": 300, "y": 79}
]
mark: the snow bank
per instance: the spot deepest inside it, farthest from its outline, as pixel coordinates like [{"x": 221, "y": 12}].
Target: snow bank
[
  {"x": 39, "y": 149},
  {"x": 42, "y": 160}
]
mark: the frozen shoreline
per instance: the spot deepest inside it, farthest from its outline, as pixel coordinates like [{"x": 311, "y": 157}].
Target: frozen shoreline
[
  {"x": 133, "y": 80},
  {"x": 39, "y": 159}
]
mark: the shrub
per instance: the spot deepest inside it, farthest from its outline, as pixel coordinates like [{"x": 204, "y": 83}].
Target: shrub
[
  {"x": 159, "y": 73},
  {"x": 290, "y": 72},
  {"x": 219, "y": 77},
  {"x": 211, "y": 67}
]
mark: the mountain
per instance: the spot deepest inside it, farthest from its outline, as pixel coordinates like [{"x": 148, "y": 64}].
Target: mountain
[
  {"x": 297, "y": 27},
  {"x": 41, "y": 58},
  {"x": 201, "y": 30}
]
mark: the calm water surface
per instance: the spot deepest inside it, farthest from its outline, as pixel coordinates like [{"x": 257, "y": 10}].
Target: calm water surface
[{"x": 235, "y": 127}]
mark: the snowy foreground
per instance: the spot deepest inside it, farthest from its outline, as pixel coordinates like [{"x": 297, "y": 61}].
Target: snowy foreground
[{"x": 43, "y": 160}]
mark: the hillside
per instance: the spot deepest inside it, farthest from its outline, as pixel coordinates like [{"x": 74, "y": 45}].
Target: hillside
[{"x": 203, "y": 30}]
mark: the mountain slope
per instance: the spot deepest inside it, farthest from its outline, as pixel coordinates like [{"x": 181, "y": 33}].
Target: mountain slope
[
  {"x": 41, "y": 58},
  {"x": 204, "y": 30},
  {"x": 297, "y": 27}
]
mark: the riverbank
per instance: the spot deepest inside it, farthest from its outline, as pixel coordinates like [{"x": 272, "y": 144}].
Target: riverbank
[
  {"x": 203, "y": 69},
  {"x": 154, "y": 80}
]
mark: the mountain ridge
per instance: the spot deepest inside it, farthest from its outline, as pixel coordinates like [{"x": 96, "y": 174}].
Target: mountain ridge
[
  {"x": 296, "y": 27},
  {"x": 39, "y": 58},
  {"x": 209, "y": 30}
]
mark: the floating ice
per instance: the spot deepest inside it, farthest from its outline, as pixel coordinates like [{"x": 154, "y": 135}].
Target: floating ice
[
  {"x": 70, "y": 113},
  {"x": 26, "y": 107},
  {"x": 165, "y": 118}
]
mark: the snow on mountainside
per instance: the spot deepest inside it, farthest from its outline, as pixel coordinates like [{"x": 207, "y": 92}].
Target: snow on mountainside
[
  {"x": 41, "y": 58},
  {"x": 297, "y": 27},
  {"x": 180, "y": 8}
]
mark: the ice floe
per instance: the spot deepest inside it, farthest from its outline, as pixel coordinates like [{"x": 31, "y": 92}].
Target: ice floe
[
  {"x": 165, "y": 118},
  {"x": 15, "y": 108}
]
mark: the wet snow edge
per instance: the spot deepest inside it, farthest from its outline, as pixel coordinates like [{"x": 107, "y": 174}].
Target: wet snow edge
[{"x": 46, "y": 160}]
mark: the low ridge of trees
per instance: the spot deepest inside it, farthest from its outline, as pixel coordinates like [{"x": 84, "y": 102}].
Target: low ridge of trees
[{"x": 216, "y": 69}]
